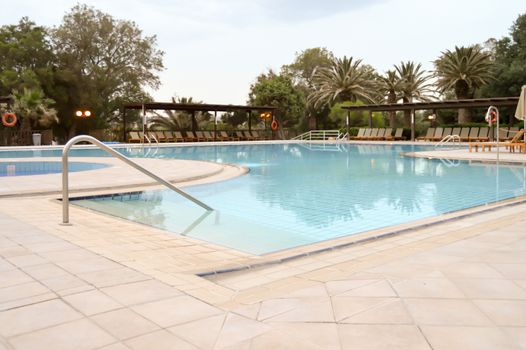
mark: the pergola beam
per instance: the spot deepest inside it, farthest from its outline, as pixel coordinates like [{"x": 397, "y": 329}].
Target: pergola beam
[{"x": 450, "y": 104}]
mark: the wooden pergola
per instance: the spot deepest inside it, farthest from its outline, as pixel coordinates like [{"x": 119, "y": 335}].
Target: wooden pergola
[
  {"x": 193, "y": 108},
  {"x": 434, "y": 106}
]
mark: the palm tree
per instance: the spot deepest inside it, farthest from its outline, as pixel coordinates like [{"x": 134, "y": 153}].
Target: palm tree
[
  {"x": 33, "y": 107},
  {"x": 464, "y": 70},
  {"x": 414, "y": 85},
  {"x": 343, "y": 80},
  {"x": 180, "y": 120},
  {"x": 390, "y": 86}
]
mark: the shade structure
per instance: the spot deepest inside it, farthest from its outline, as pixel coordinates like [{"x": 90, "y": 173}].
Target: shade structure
[{"x": 520, "y": 112}]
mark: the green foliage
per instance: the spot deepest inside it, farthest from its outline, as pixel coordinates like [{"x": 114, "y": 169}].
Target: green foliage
[
  {"x": 338, "y": 116},
  {"x": 344, "y": 80},
  {"x": 26, "y": 57},
  {"x": 307, "y": 62},
  {"x": 180, "y": 120},
  {"x": 464, "y": 70},
  {"x": 277, "y": 90},
  {"x": 33, "y": 106},
  {"x": 102, "y": 63},
  {"x": 510, "y": 67}
]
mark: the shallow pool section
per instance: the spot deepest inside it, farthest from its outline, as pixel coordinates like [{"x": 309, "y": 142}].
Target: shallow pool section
[
  {"x": 40, "y": 168},
  {"x": 297, "y": 194}
]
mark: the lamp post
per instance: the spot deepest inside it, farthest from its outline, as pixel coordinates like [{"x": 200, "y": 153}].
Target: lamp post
[
  {"x": 83, "y": 113},
  {"x": 432, "y": 118}
]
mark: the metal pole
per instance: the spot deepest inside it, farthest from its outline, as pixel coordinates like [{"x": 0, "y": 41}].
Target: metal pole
[
  {"x": 90, "y": 139},
  {"x": 124, "y": 125},
  {"x": 370, "y": 119},
  {"x": 215, "y": 125},
  {"x": 412, "y": 125},
  {"x": 348, "y": 125}
]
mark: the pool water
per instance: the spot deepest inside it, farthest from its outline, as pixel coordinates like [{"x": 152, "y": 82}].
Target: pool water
[
  {"x": 41, "y": 168},
  {"x": 297, "y": 194}
]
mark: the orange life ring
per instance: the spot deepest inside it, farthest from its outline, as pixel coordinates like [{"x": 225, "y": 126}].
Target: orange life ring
[
  {"x": 274, "y": 125},
  {"x": 7, "y": 116},
  {"x": 491, "y": 117}
]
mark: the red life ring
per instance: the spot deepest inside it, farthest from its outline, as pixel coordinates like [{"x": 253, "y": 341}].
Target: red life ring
[
  {"x": 491, "y": 117},
  {"x": 274, "y": 125},
  {"x": 7, "y": 116}
]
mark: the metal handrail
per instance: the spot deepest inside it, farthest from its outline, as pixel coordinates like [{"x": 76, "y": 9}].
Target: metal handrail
[
  {"x": 318, "y": 135},
  {"x": 448, "y": 138},
  {"x": 90, "y": 139}
]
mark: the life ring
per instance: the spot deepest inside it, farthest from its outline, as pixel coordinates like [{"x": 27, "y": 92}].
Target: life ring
[
  {"x": 491, "y": 117},
  {"x": 274, "y": 125},
  {"x": 7, "y": 116}
]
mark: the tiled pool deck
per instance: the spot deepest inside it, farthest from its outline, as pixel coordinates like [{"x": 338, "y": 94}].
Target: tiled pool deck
[{"x": 106, "y": 283}]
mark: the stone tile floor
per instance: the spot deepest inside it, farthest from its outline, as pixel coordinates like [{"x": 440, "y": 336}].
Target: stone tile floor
[{"x": 459, "y": 285}]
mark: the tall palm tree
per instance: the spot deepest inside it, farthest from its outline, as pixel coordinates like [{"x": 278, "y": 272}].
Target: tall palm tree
[
  {"x": 389, "y": 87},
  {"x": 415, "y": 85},
  {"x": 464, "y": 70},
  {"x": 343, "y": 80}
]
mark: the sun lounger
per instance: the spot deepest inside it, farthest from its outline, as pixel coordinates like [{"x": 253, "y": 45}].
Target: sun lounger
[
  {"x": 429, "y": 135},
  {"x": 133, "y": 136},
  {"x": 456, "y": 131},
  {"x": 240, "y": 136},
  {"x": 209, "y": 136},
  {"x": 473, "y": 134},
  {"x": 388, "y": 135},
  {"x": 159, "y": 135},
  {"x": 515, "y": 144},
  {"x": 438, "y": 134},
  {"x": 483, "y": 135},
  {"x": 380, "y": 135},
  {"x": 372, "y": 135},
  {"x": 399, "y": 134},
  {"x": 190, "y": 136},
  {"x": 360, "y": 134},
  {"x": 249, "y": 136},
  {"x": 366, "y": 134},
  {"x": 464, "y": 134},
  {"x": 169, "y": 136},
  {"x": 178, "y": 136}
]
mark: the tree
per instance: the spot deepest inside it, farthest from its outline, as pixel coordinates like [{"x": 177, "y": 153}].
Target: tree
[
  {"x": 181, "y": 120},
  {"x": 465, "y": 69},
  {"x": 102, "y": 63},
  {"x": 344, "y": 80},
  {"x": 390, "y": 89},
  {"x": 414, "y": 85},
  {"x": 34, "y": 108},
  {"x": 277, "y": 90},
  {"x": 26, "y": 57},
  {"x": 510, "y": 58},
  {"x": 301, "y": 70}
]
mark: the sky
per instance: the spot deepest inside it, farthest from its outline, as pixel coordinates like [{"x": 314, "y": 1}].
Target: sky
[{"x": 214, "y": 50}]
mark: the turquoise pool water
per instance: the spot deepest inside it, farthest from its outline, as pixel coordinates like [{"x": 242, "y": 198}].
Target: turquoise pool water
[
  {"x": 40, "y": 168},
  {"x": 297, "y": 194}
]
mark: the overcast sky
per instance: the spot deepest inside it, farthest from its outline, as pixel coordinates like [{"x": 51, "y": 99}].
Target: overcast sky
[{"x": 215, "y": 49}]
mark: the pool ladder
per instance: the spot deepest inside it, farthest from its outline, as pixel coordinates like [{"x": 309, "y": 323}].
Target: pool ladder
[
  {"x": 448, "y": 139},
  {"x": 92, "y": 140}
]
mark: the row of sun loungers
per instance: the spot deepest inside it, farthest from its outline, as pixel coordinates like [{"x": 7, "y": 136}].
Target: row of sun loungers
[
  {"x": 474, "y": 134},
  {"x": 190, "y": 136},
  {"x": 378, "y": 134},
  {"x": 515, "y": 144}
]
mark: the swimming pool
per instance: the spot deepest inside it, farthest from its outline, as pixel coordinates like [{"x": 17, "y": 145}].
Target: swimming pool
[
  {"x": 41, "y": 168},
  {"x": 297, "y": 194}
]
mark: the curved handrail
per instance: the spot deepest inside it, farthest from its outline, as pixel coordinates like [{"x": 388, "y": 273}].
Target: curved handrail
[
  {"x": 90, "y": 139},
  {"x": 448, "y": 138}
]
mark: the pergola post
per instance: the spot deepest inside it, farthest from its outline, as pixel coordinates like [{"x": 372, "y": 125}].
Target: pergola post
[
  {"x": 194, "y": 122},
  {"x": 413, "y": 125},
  {"x": 348, "y": 122},
  {"x": 370, "y": 118},
  {"x": 249, "y": 114},
  {"x": 215, "y": 125},
  {"x": 124, "y": 125}
]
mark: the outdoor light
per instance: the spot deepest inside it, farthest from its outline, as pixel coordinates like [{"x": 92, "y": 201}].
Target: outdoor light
[
  {"x": 83, "y": 114},
  {"x": 431, "y": 117},
  {"x": 266, "y": 115}
]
